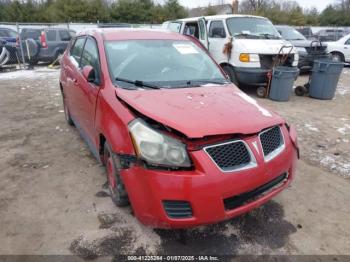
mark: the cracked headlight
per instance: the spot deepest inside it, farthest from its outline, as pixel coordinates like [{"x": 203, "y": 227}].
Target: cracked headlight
[{"x": 156, "y": 148}]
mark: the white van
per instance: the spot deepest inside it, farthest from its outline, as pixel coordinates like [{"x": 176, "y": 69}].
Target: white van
[{"x": 254, "y": 44}]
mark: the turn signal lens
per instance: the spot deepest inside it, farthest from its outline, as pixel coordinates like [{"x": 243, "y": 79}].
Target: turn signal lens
[{"x": 244, "y": 58}]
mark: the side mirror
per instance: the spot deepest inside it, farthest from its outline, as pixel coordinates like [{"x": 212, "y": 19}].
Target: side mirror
[{"x": 89, "y": 74}]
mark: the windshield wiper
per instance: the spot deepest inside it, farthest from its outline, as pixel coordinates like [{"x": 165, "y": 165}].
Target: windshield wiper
[
  {"x": 217, "y": 82},
  {"x": 270, "y": 36},
  {"x": 199, "y": 83},
  {"x": 137, "y": 83},
  {"x": 245, "y": 35}
]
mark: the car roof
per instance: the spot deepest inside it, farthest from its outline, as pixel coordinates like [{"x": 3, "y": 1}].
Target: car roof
[
  {"x": 213, "y": 17},
  {"x": 133, "y": 34}
]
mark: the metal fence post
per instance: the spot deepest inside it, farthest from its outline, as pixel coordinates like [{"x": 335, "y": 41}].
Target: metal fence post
[{"x": 20, "y": 44}]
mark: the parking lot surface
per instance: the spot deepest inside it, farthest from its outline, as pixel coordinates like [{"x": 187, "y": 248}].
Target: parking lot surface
[{"x": 53, "y": 198}]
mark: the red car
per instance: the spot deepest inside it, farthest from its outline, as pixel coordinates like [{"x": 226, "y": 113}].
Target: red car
[{"x": 181, "y": 144}]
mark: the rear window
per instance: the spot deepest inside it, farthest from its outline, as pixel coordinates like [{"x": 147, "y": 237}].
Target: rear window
[
  {"x": 51, "y": 35},
  {"x": 64, "y": 35}
]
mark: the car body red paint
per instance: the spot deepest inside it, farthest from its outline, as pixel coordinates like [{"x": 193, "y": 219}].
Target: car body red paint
[{"x": 198, "y": 117}]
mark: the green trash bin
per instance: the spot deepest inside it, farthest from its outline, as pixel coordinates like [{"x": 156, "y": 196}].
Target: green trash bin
[
  {"x": 324, "y": 79},
  {"x": 282, "y": 82}
]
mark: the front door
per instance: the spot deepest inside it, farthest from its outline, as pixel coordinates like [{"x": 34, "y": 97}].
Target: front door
[
  {"x": 87, "y": 92},
  {"x": 203, "y": 35}
]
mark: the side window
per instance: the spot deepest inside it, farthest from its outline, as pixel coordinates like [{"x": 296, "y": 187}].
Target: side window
[
  {"x": 192, "y": 29},
  {"x": 217, "y": 30},
  {"x": 51, "y": 35},
  {"x": 90, "y": 57},
  {"x": 77, "y": 49},
  {"x": 174, "y": 27},
  {"x": 347, "y": 42},
  {"x": 64, "y": 35}
]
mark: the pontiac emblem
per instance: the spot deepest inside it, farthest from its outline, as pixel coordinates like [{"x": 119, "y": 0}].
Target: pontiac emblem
[{"x": 255, "y": 144}]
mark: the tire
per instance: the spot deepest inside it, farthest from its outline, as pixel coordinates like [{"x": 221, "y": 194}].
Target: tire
[
  {"x": 339, "y": 57},
  {"x": 231, "y": 73},
  {"x": 66, "y": 111},
  {"x": 116, "y": 186},
  {"x": 300, "y": 90},
  {"x": 34, "y": 62},
  {"x": 261, "y": 91}
]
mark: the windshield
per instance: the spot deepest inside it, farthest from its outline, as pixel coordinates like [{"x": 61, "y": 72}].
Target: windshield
[
  {"x": 164, "y": 63},
  {"x": 252, "y": 28},
  {"x": 289, "y": 33}
]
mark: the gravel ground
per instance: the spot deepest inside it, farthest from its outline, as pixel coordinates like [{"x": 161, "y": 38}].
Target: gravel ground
[{"x": 53, "y": 198}]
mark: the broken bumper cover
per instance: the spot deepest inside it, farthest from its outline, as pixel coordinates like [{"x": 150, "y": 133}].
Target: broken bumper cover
[{"x": 207, "y": 190}]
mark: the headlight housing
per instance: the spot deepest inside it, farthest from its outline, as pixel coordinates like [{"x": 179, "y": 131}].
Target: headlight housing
[
  {"x": 156, "y": 148},
  {"x": 243, "y": 57}
]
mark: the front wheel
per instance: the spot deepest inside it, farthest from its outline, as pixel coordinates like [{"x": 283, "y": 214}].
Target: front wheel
[
  {"x": 231, "y": 73},
  {"x": 116, "y": 186}
]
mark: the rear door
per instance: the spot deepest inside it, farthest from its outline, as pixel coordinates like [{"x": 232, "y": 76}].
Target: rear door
[
  {"x": 203, "y": 35},
  {"x": 71, "y": 67}
]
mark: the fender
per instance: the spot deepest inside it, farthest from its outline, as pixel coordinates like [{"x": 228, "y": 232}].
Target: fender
[{"x": 111, "y": 121}]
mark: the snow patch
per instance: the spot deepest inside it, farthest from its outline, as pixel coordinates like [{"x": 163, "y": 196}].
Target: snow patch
[
  {"x": 28, "y": 74},
  {"x": 312, "y": 128}
]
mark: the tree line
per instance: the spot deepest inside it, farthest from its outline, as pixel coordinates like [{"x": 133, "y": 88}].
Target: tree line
[
  {"x": 149, "y": 11},
  {"x": 129, "y": 11},
  {"x": 291, "y": 13}
]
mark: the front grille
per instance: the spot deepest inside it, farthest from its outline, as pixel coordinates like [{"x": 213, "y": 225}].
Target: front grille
[
  {"x": 239, "y": 200},
  {"x": 268, "y": 61},
  {"x": 230, "y": 156},
  {"x": 177, "y": 209},
  {"x": 271, "y": 140}
]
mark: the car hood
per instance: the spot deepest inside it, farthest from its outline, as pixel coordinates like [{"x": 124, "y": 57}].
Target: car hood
[
  {"x": 265, "y": 46},
  {"x": 199, "y": 112}
]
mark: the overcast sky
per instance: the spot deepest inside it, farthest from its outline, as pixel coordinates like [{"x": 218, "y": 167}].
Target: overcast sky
[{"x": 319, "y": 4}]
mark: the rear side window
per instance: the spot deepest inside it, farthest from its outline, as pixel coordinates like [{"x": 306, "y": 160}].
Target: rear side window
[
  {"x": 31, "y": 33},
  {"x": 347, "y": 42},
  {"x": 90, "y": 57},
  {"x": 174, "y": 27},
  {"x": 217, "y": 30},
  {"x": 64, "y": 35},
  {"x": 51, "y": 35},
  {"x": 77, "y": 49}
]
